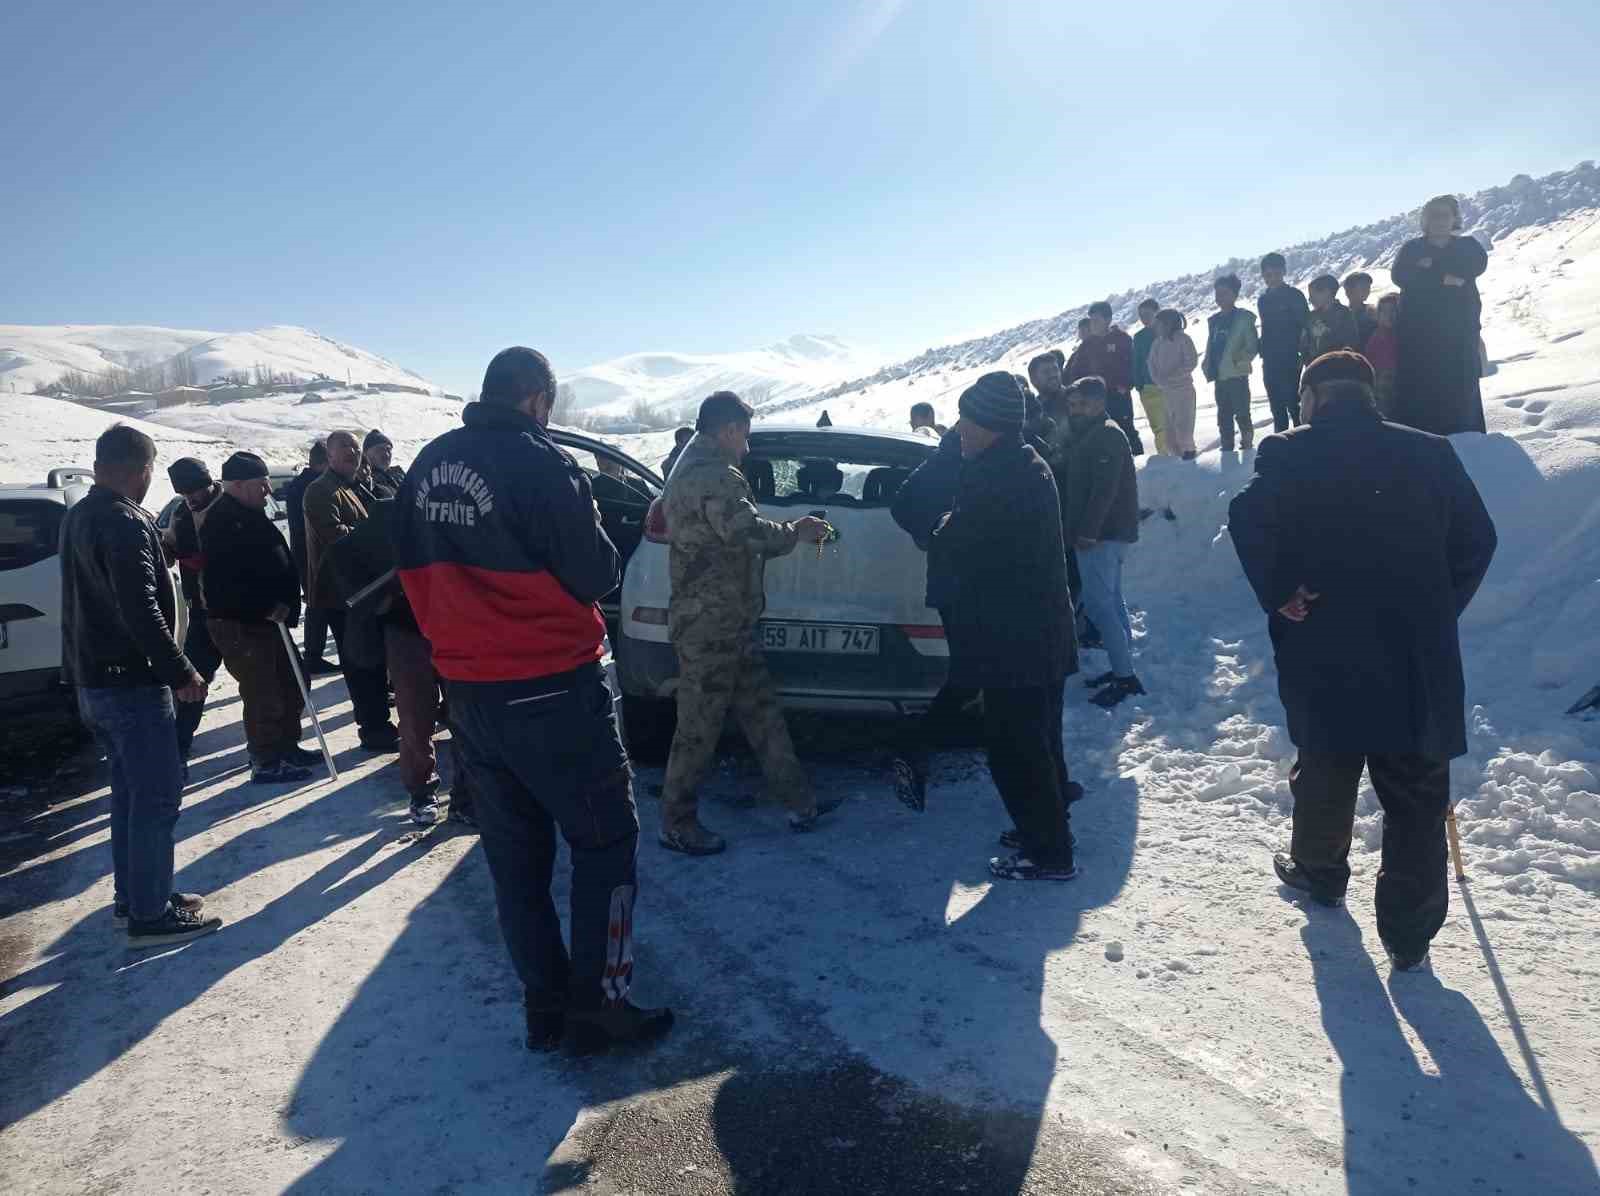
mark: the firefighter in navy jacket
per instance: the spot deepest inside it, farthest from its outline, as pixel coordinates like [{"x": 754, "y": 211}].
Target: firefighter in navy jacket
[{"x": 502, "y": 556}]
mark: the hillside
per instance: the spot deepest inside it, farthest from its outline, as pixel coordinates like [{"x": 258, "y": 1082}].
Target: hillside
[{"x": 34, "y": 356}]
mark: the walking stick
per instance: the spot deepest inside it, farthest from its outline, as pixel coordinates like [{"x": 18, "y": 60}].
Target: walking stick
[
  {"x": 1455, "y": 843},
  {"x": 294, "y": 666}
]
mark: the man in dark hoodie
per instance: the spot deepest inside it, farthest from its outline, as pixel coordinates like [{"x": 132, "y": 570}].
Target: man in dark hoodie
[
  {"x": 1008, "y": 621},
  {"x": 251, "y": 585},
  {"x": 315, "y": 638},
  {"x": 1283, "y": 314},
  {"x": 191, "y": 479},
  {"x": 1331, "y": 326},
  {"x": 1107, "y": 354}
]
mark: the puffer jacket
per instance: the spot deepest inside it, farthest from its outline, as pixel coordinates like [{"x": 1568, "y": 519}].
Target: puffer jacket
[
  {"x": 118, "y": 609},
  {"x": 1231, "y": 345},
  {"x": 720, "y": 546}
]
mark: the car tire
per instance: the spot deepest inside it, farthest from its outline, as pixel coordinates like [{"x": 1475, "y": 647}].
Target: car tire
[{"x": 647, "y": 727}]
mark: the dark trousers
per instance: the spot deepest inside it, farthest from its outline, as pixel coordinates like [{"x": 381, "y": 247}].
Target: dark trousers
[
  {"x": 1413, "y": 889},
  {"x": 133, "y": 726},
  {"x": 203, "y": 654},
  {"x": 1022, "y": 734},
  {"x": 918, "y": 738},
  {"x": 1233, "y": 410},
  {"x": 268, "y": 691},
  {"x": 1119, "y": 406},
  {"x": 315, "y": 640},
  {"x": 544, "y": 754},
  {"x": 1282, "y": 379},
  {"x": 360, "y": 643},
  {"x": 416, "y": 701}
]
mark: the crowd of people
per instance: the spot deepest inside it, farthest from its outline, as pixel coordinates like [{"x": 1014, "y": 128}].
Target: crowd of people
[{"x": 468, "y": 586}]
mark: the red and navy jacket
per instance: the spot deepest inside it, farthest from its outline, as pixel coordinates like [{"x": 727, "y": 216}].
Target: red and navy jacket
[{"x": 500, "y": 550}]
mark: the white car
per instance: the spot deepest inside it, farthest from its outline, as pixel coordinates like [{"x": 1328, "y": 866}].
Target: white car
[
  {"x": 30, "y": 592},
  {"x": 846, "y": 632}
]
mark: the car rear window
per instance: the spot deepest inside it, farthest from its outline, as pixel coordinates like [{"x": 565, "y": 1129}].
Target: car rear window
[
  {"x": 859, "y": 479},
  {"x": 30, "y": 531}
]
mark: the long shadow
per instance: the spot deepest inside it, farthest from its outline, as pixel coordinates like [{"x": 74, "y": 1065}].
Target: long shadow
[
  {"x": 59, "y": 1039},
  {"x": 1464, "y": 1125}
]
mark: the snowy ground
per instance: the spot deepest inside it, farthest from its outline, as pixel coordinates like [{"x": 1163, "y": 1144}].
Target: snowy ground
[{"x": 1170, "y": 1021}]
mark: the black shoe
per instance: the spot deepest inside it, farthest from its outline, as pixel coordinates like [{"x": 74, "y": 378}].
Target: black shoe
[
  {"x": 592, "y": 1030},
  {"x": 1291, "y": 874},
  {"x": 806, "y": 822},
  {"x": 177, "y": 926},
  {"x": 1011, "y": 839},
  {"x": 693, "y": 839},
  {"x": 381, "y": 740},
  {"x": 1190, "y": 456},
  {"x": 462, "y": 815},
  {"x": 299, "y": 755},
  {"x": 316, "y": 666},
  {"x": 546, "y": 1027},
  {"x": 1120, "y": 689},
  {"x": 1020, "y": 867},
  {"x": 910, "y": 785},
  {"x": 1100, "y": 682},
  {"x": 192, "y": 902},
  {"x": 279, "y": 772},
  {"x": 1408, "y": 963},
  {"x": 424, "y": 809}
]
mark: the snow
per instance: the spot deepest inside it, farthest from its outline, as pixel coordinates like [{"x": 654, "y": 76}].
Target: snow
[{"x": 355, "y": 1024}]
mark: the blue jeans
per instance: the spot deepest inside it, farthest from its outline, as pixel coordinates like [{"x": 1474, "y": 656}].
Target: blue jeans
[
  {"x": 1101, "y": 568},
  {"x": 135, "y": 727}
]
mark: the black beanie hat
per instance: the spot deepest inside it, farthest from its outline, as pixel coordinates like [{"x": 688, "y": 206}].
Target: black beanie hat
[
  {"x": 1342, "y": 365},
  {"x": 996, "y": 402},
  {"x": 375, "y": 437},
  {"x": 188, "y": 475},
  {"x": 242, "y": 466}
]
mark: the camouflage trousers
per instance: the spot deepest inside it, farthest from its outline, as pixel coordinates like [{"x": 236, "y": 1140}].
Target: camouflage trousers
[{"x": 712, "y": 677}]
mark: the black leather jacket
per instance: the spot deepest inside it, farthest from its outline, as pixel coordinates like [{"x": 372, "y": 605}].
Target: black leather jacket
[{"x": 117, "y": 605}]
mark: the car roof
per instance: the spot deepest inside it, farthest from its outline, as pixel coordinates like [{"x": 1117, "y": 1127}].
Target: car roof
[
  {"x": 37, "y": 491},
  {"x": 766, "y": 430}
]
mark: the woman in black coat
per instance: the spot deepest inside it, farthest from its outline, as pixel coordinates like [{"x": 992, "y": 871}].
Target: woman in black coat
[{"x": 1436, "y": 383}]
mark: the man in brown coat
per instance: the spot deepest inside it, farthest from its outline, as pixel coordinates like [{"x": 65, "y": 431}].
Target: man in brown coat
[{"x": 335, "y": 505}]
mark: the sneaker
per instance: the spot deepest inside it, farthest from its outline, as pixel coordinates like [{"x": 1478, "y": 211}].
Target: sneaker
[
  {"x": 1119, "y": 690},
  {"x": 910, "y": 786},
  {"x": 693, "y": 839},
  {"x": 299, "y": 755},
  {"x": 1408, "y": 963},
  {"x": 192, "y": 902},
  {"x": 546, "y": 1027},
  {"x": 424, "y": 809},
  {"x": 279, "y": 772},
  {"x": 592, "y": 1030},
  {"x": 316, "y": 666},
  {"x": 1100, "y": 682},
  {"x": 176, "y": 926},
  {"x": 1292, "y": 875},
  {"x": 806, "y": 822},
  {"x": 381, "y": 739},
  {"x": 1020, "y": 867},
  {"x": 1190, "y": 456}
]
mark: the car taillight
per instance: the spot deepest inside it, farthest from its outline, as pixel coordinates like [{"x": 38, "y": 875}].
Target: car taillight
[
  {"x": 653, "y": 615},
  {"x": 655, "y": 523},
  {"x": 923, "y": 631}
]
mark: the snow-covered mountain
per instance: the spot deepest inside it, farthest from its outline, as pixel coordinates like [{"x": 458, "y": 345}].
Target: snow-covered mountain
[
  {"x": 671, "y": 383},
  {"x": 34, "y": 356}
]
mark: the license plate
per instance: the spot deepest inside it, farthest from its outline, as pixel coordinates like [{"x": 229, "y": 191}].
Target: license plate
[{"x": 830, "y": 638}]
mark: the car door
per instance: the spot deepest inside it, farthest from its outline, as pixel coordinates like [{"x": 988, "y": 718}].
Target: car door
[
  {"x": 623, "y": 490},
  {"x": 30, "y": 590}
]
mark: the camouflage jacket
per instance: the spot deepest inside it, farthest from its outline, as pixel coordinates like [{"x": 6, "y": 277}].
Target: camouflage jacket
[{"x": 720, "y": 546}]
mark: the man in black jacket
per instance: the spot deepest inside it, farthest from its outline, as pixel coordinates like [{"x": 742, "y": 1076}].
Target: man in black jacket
[
  {"x": 192, "y": 480},
  {"x": 251, "y": 585},
  {"x": 377, "y": 451},
  {"x": 1008, "y": 620},
  {"x": 117, "y": 616},
  {"x": 315, "y": 638},
  {"x": 1364, "y": 542},
  {"x": 503, "y": 560},
  {"x": 1283, "y": 315}
]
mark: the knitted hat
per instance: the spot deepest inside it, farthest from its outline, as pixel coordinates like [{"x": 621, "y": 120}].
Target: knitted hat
[
  {"x": 1342, "y": 365},
  {"x": 375, "y": 437},
  {"x": 996, "y": 402},
  {"x": 188, "y": 475},
  {"x": 242, "y": 467}
]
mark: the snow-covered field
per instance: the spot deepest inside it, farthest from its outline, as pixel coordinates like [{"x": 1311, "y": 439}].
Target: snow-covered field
[{"x": 354, "y": 1027}]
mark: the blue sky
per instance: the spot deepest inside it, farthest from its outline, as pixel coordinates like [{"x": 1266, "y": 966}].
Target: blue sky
[{"x": 434, "y": 182}]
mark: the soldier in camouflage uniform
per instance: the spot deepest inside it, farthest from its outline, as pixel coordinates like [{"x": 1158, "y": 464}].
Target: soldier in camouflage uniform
[{"x": 720, "y": 546}]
